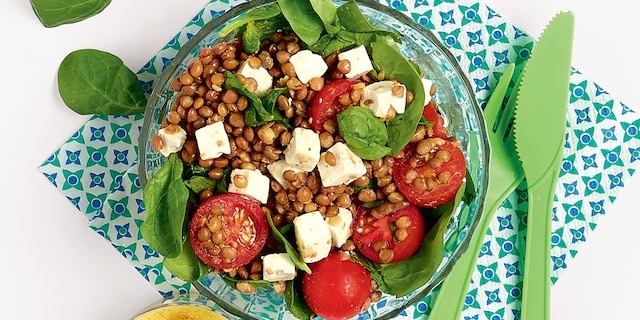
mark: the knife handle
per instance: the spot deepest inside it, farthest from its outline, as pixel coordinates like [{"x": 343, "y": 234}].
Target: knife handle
[{"x": 537, "y": 260}]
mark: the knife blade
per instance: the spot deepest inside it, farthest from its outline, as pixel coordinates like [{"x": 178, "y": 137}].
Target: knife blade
[{"x": 539, "y": 132}]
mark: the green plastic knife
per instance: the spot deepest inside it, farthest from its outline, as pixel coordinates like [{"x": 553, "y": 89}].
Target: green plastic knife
[{"x": 539, "y": 132}]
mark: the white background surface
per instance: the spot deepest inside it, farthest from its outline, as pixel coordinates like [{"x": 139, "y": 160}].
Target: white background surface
[{"x": 53, "y": 266}]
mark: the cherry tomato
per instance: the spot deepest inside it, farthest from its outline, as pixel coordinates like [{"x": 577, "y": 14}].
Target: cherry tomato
[
  {"x": 322, "y": 101},
  {"x": 437, "y": 130},
  {"x": 391, "y": 238},
  {"x": 336, "y": 288},
  {"x": 228, "y": 230},
  {"x": 431, "y": 180}
]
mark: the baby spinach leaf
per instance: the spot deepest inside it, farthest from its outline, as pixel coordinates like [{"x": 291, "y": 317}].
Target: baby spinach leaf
[
  {"x": 353, "y": 20},
  {"x": 403, "y": 277},
  {"x": 303, "y": 20},
  {"x": 97, "y": 82},
  {"x": 261, "y": 13},
  {"x": 186, "y": 266},
  {"x": 295, "y": 301},
  {"x": 231, "y": 281},
  {"x": 326, "y": 10},
  {"x": 386, "y": 56},
  {"x": 259, "y": 111},
  {"x": 291, "y": 251},
  {"x": 56, "y": 13},
  {"x": 199, "y": 183},
  {"x": 165, "y": 197},
  {"x": 258, "y": 30},
  {"x": 365, "y": 134}
]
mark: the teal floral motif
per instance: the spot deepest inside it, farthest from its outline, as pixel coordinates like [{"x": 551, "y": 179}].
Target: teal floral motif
[
  {"x": 523, "y": 52},
  {"x": 496, "y": 34},
  {"x": 424, "y": 19},
  {"x": 585, "y": 138},
  {"x": 450, "y": 39},
  {"x": 470, "y": 14},
  {"x": 578, "y": 91},
  {"x": 478, "y": 60},
  {"x": 96, "y": 157},
  {"x": 593, "y": 184},
  {"x": 72, "y": 179},
  {"x": 604, "y": 111}
]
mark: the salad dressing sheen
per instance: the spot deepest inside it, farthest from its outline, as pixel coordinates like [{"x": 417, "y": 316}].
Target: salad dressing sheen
[{"x": 180, "y": 313}]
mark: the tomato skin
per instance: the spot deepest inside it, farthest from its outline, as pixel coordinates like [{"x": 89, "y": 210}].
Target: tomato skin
[
  {"x": 443, "y": 192},
  {"x": 380, "y": 230},
  {"x": 430, "y": 114},
  {"x": 324, "y": 98},
  {"x": 336, "y": 288},
  {"x": 230, "y": 203}
]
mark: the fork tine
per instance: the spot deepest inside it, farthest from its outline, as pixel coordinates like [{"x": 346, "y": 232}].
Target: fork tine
[
  {"x": 492, "y": 109},
  {"x": 506, "y": 119}
]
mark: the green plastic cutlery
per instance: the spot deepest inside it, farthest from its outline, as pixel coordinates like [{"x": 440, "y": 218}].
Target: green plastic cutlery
[
  {"x": 505, "y": 174},
  {"x": 539, "y": 132}
]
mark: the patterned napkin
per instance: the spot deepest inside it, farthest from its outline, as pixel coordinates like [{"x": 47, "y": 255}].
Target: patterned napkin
[{"x": 96, "y": 169}]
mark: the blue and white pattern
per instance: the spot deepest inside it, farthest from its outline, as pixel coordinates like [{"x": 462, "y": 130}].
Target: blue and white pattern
[{"x": 96, "y": 169}]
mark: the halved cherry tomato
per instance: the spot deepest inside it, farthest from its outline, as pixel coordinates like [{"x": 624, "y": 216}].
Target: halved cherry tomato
[
  {"x": 437, "y": 130},
  {"x": 391, "y": 238},
  {"x": 319, "y": 111},
  {"x": 336, "y": 288},
  {"x": 228, "y": 230},
  {"x": 431, "y": 180}
]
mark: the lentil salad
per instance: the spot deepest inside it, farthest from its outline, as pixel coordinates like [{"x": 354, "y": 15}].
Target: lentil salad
[{"x": 208, "y": 93}]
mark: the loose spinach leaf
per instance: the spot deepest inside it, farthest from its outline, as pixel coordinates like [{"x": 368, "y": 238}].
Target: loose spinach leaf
[
  {"x": 258, "y": 30},
  {"x": 365, "y": 134},
  {"x": 259, "y": 111},
  {"x": 386, "y": 56},
  {"x": 165, "y": 197},
  {"x": 303, "y": 20},
  {"x": 327, "y": 11},
  {"x": 403, "y": 277},
  {"x": 186, "y": 266},
  {"x": 295, "y": 302},
  {"x": 97, "y": 82},
  {"x": 199, "y": 183},
  {"x": 231, "y": 281},
  {"x": 261, "y": 13},
  {"x": 373, "y": 268},
  {"x": 353, "y": 20},
  {"x": 56, "y": 13},
  {"x": 291, "y": 251},
  {"x": 193, "y": 169}
]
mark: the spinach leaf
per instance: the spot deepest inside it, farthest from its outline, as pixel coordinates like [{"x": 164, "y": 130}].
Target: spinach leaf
[
  {"x": 259, "y": 111},
  {"x": 291, "y": 251},
  {"x": 303, "y": 20},
  {"x": 295, "y": 302},
  {"x": 165, "y": 197},
  {"x": 199, "y": 183},
  {"x": 97, "y": 82},
  {"x": 327, "y": 11},
  {"x": 186, "y": 266},
  {"x": 403, "y": 277},
  {"x": 231, "y": 281},
  {"x": 256, "y": 31},
  {"x": 353, "y": 20},
  {"x": 56, "y": 13},
  {"x": 260, "y": 13},
  {"x": 386, "y": 56},
  {"x": 365, "y": 134}
]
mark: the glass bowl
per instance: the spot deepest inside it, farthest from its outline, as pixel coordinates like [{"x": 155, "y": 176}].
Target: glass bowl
[{"x": 463, "y": 119}]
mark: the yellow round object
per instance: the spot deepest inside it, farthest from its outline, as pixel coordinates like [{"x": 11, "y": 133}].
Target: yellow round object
[{"x": 180, "y": 312}]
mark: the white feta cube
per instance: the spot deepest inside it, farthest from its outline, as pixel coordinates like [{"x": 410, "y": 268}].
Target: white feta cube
[
  {"x": 278, "y": 267},
  {"x": 212, "y": 141},
  {"x": 257, "y": 184},
  {"x": 426, "y": 83},
  {"x": 340, "y": 227},
  {"x": 313, "y": 236},
  {"x": 379, "y": 98},
  {"x": 303, "y": 150},
  {"x": 277, "y": 170},
  {"x": 347, "y": 169},
  {"x": 308, "y": 65},
  {"x": 261, "y": 75},
  {"x": 359, "y": 61},
  {"x": 173, "y": 137}
]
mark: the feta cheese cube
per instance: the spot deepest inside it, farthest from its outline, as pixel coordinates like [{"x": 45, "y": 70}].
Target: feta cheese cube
[
  {"x": 379, "y": 98},
  {"x": 340, "y": 227},
  {"x": 359, "y": 61},
  {"x": 173, "y": 137},
  {"x": 257, "y": 184},
  {"x": 261, "y": 75},
  {"x": 303, "y": 150},
  {"x": 313, "y": 236},
  {"x": 278, "y": 267},
  {"x": 277, "y": 170},
  {"x": 308, "y": 65},
  {"x": 426, "y": 83},
  {"x": 212, "y": 141},
  {"x": 347, "y": 169}
]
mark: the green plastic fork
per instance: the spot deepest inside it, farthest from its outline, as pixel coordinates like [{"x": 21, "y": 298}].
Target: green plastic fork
[{"x": 505, "y": 174}]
